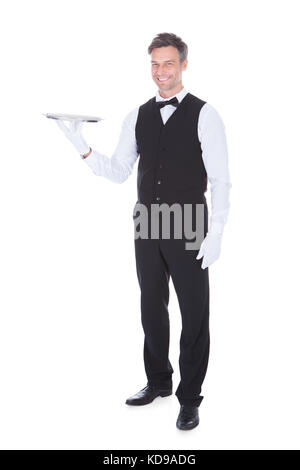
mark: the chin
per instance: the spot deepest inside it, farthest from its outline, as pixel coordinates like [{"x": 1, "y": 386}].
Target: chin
[{"x": 165, "y": 87}]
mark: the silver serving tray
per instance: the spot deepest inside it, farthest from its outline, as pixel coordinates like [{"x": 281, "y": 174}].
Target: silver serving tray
[{"x": 72, "y": 117}]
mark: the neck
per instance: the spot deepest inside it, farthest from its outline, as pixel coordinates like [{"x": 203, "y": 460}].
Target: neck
[{"x": 172, "y": 92}]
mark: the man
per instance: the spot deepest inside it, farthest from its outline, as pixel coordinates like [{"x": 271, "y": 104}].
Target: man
[{"x": 181, "y": 142}]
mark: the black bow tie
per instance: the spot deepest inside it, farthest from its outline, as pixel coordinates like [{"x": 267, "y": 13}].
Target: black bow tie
[{"x": 174, "y": 101}]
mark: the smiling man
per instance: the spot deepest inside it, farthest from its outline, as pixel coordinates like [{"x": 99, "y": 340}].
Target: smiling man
[
  {"x": 181, "y": 144},
  {"x": 167, "y": 70}
]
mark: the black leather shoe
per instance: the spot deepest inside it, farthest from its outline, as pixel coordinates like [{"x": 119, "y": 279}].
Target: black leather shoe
[
  {"x": 188, "y": 417},
  {"x": 147, "y": 395}
]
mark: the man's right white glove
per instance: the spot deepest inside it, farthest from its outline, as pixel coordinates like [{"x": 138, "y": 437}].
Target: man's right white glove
[{"x": 73, "y": 134}]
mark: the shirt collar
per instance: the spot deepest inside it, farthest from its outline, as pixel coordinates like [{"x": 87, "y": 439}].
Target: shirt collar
[{"x": 180, "y": 95}]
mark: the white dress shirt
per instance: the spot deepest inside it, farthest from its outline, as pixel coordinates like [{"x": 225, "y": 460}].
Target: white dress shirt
[{"x": 211, "y": 134}]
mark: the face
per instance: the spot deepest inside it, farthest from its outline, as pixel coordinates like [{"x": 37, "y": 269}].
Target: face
[{"x": 167, "y": 70}]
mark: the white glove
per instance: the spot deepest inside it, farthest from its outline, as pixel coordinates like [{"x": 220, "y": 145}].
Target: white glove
[
  {"x": 210, "y": 249},
  {"x": 73, "y": 134}
]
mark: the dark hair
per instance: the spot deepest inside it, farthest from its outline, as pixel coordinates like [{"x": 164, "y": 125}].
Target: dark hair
[{"x": 170, "y": 39}]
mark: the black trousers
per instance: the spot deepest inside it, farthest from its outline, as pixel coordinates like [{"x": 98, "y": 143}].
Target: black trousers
[{"x": 156, "y": 261}]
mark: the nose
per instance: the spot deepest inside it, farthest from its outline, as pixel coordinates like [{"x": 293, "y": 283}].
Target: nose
[{"x": 160, "y": 70}]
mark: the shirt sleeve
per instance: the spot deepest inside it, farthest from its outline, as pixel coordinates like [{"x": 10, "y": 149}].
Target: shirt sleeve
[
  {"x": 211, "y": 131},
  {"x": 118, "y": 168}
]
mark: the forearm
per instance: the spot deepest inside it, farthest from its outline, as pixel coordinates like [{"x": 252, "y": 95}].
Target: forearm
[
  {"x": 116, "y": 168},
  {"x": 220, "y": 205},
  {"x": 120, "y": 165}
]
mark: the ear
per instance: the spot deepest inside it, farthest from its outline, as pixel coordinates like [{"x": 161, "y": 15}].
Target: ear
[{"x": 184, "y": 64}]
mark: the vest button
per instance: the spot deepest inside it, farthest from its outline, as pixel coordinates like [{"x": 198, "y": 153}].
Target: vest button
[
  {"x": 158, "y": 198},
  {"x": 160, "y": 166},
  {"x": 158, "y": 182}
]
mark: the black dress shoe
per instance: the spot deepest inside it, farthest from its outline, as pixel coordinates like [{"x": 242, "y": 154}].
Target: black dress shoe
[
  {"x": 147, "y": 395},
  {"x": 188, "y": 417}
]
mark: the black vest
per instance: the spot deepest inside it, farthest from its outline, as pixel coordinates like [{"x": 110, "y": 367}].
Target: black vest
[{"x": 171, "y": 169}]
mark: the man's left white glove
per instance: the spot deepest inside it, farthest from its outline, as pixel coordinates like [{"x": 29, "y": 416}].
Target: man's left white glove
[
  {"x": 210, "y": 249},
  {"x": 73, "y": 134}
]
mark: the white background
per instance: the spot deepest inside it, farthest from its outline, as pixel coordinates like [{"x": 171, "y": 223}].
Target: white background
[{"x": 70, "y": 336}]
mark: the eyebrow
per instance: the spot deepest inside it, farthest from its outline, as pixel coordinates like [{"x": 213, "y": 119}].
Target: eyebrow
[{"x": 154, "y": 61}]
